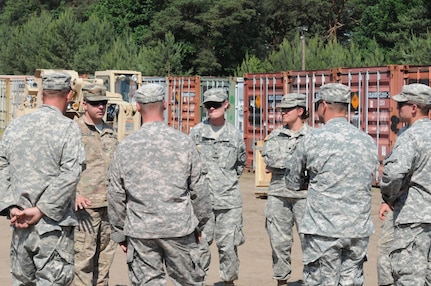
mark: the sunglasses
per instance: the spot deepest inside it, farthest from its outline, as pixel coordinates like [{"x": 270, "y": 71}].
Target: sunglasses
[
  {"x": 317, "y": 103},
  {"x": 212, "y": 104},
  {"x": 287, "y": 109},
  {"x": 97, "y": 103},
  {"x": 401, "y": 104}
]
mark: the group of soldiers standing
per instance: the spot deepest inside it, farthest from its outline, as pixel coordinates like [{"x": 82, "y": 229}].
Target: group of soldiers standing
[
  {"x": 321, "y": 181},
  {"x": 73, "y": 193}
]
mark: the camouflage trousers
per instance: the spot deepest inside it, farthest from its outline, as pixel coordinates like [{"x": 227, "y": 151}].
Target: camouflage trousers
[
  {"x": 146, "y": 259},
  {"x": 281, "y": 214},
  {"x": 334, "y": 261},
  {"x": 384, "y": 247},
  {"x": 42, "y": 258},
  {"x": 94, "y": 249},
  {"x": 411, "y": 254},
  {"x": 225, "y": 227}
]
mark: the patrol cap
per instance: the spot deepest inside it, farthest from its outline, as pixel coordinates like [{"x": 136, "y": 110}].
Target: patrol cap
[
  {"x": 334, "y": 92},
  {"x": 94, "y": 92},
  {"x": 292, "y": 100},
  {"x": 415, "y": 92},
  {"x": 56, "y": 81},
  {"x": 150, "y": 92},
  {"x": 215, "y": 95}
]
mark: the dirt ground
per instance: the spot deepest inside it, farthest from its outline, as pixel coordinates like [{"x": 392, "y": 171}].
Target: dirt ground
[{"x": 255, "y": 253}]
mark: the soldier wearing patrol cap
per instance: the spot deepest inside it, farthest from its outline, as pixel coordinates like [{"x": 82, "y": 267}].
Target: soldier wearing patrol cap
[
  {"x": 41, "y": 158},
  {"x": 94, "y": 249},
  {"x": 406, "y": 187},
  {"x": 340, "y": 161},
  {"x": 158, "y": 198},
  {"x": 284, "y": 207},
  {"x": 223, "y": 149}
]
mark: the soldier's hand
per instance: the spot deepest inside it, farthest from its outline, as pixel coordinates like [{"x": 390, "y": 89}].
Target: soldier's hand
[
  {"x": 123, "y": 246},
  {"x": 26, "y": 217},
  {"x": 384, "y": 209},
  {"x": 82, "y": 203}
]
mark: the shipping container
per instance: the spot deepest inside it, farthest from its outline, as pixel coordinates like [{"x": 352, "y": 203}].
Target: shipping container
[
  {"x": 237, "y": 90},
  {"x": 261, "y": 94},
  {"x": 371, "y": 108},
  {"x": 184, "y": 99}
]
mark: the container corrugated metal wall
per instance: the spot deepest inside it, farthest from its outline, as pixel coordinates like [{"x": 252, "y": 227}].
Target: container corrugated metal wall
[
  {"x": 184, "y": 98},
  {"x": 261, "y": 94}
]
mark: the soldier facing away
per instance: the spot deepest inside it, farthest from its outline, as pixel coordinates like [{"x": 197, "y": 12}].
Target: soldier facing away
[
  {"x": 340, "y": 161},
  {"x": 41, "y": 158},
  {"x": 158, "y": 199}
]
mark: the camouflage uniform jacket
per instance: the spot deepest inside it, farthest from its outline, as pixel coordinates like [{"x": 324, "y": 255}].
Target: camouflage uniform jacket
[
  {"x": 277, "y": 148},
  {"x": 406, "y": 182},
  {"x": 157, "y": 185},
  {"x": 225, "y": 158},
  {"x": 340, "y": 161},
  {"x": 99, "y": 148},
  {"x": 41, "y": 158}
]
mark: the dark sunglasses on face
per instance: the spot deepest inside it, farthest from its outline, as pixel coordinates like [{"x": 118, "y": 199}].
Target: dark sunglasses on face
[
  {"x": 287, "y": 109},
  {"x": 317, "y": 103},
  {"x": 97, "y": 103},
  {"x": 214, "y": 105},
  {"x": 401, "y": 104}
]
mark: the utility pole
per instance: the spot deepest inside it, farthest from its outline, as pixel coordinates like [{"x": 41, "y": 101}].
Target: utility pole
[{"x": 302, "y": 29}]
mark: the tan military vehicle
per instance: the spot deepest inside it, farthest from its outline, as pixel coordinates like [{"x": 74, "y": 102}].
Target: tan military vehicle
[
  {"x": 121, "y": 86},
  {"x": 121, "y": 113}
]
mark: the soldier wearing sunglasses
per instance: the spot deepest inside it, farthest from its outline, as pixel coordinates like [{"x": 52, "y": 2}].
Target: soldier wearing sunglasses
[
  {"x": 223, "y": 149},
  {"x": 94, "y": 249},
  {"x": 406, "y": 188}
]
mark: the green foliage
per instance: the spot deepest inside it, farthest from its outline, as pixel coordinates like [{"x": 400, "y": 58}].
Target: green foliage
[
  {"x": 163, "y": 59},
  {"x": 251, "y": 64},
  {"x": 123, "y": 55},
  {"x": 93, "y": 41},
  {"x": 219, "y": 38}
]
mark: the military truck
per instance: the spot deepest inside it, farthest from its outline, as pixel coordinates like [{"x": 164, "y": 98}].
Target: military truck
[
  {"x": 121, "y": 114},
  {"x": 121, "y": 86}
]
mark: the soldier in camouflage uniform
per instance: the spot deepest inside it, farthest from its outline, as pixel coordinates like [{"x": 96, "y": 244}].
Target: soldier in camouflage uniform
[
  {"x": 158, "y": 198},
  {"x": 386, "y": 238},
  {"x": 94, "y": 249},
  {"x": 41, "y": 158},
  {"x": 340, "y": 161},
  {"x": 223, "y": 149},
  {"x": 384, "y": 245},
  {"x": 406, "y": 187},
  {"x": 284, "y": 207}
]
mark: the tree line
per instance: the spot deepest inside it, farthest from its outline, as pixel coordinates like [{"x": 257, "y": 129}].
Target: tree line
[{"x": 211, "y": 38}]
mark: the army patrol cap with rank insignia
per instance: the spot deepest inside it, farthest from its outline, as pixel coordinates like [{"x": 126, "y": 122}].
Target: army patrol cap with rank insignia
[
  {"x": 292, "y": 100},
  {"x": 150, "y": 92},
  {"x": 94, "y": 92},
  {"x": 56, "y": 81},
  {"x": 415, "y": 93},
  {"x": 334, "y": 92},
  {"x": 215, "y": 95}
]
